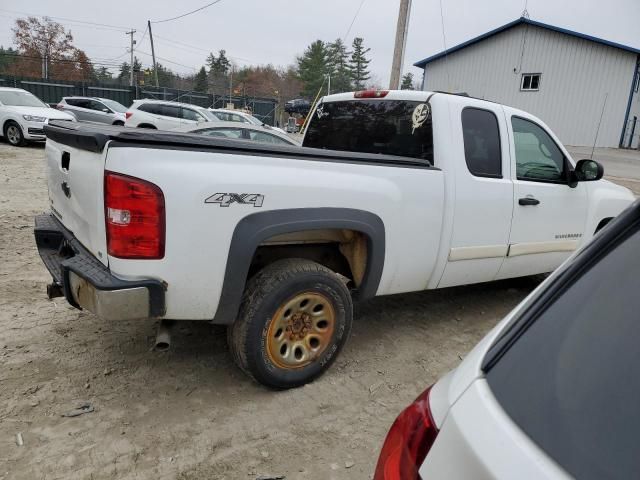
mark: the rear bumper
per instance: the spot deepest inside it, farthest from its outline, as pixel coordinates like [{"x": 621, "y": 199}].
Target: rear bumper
[{"x": 88, "y": 284}]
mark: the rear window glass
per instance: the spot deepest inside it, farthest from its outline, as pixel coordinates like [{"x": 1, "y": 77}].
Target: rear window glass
[
  {"x": 154, "y": 108},
  {"x": 391, "y": 127},
  {"x": 481, "y": 135},
  {"x": 571, "y": 382}
]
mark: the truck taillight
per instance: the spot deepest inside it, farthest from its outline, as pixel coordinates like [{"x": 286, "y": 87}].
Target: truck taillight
[
  {"x": 408, "y": 442},
  {"x": 134, "y": 217},
  {"x": 127, "y": 115},
  {"x": 371, "y": 94}
]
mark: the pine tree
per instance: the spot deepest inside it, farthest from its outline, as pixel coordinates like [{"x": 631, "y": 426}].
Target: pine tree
[
  {"x": 407, "y": 82},
  {"x": 312, "y": 68},
  {"x": 200, "y": 81},
  {"x": 338, "y": 66},
  {"x": 359, "y": 64},
  {"x": 218, "y": 70}
]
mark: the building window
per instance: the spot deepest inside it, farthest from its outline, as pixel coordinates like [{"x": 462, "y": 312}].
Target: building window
[
  {"x": 530, "y": 82},
  {"x": 481, "y": 135},
  {"x": 636, "y": 82}
]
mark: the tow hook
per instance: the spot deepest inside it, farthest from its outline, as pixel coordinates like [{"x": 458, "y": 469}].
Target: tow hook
[{"x": 54, "y": 290}]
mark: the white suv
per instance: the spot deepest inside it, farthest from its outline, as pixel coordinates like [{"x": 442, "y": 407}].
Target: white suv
[
  {"x": 158, "y": 114},
  {"x": 23, "y": 116}
]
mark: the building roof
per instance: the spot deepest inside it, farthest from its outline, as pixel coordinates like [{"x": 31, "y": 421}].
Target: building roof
[{"x": 520, "y": 21}]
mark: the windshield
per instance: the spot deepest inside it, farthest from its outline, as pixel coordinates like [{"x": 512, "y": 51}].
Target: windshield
[
  {"x": 113, "y": 105},
  {"x": 210, "y": 115},
  {"x": 20, "y": 99},
  {"x": 254, "y": 120},
  {"x": 392, "y": 127}
]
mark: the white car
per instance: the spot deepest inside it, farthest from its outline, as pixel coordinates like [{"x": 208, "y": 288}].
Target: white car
[
  {"x": 94, "y": 109},
  {"x": 23, "y": 116},
  {"x": 227, "y": 115},
  {"x": 437, "y": 190},
  {"x": 236, "y": 131},
  {"x": 161, "y": 115},
  {"x": 552, "y": 392}
]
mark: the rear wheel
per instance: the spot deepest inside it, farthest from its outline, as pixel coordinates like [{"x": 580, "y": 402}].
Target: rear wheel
[
  {"x": 13, "y": 133},
  {"x": 147, "y": 125},
  {"x": 295, "y": 317},
  {"x": 118, "y": 124}
]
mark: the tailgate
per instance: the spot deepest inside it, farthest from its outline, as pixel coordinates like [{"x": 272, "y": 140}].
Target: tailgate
[{"x": 75, "y": 179}]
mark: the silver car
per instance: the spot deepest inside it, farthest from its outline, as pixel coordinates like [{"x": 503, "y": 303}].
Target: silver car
[
  {"x": 238, "y": 131},
  {"x": 93, "y": 109}
]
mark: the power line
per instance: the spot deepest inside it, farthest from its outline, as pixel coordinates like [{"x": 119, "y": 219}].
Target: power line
[
  {"x": 94, "y": 24},
  {"x": 344, "y": 39},
  {"x": 188, "y": 13},
  {"x": 168, "y": 61},
  {"x": 187, "y": 46}
]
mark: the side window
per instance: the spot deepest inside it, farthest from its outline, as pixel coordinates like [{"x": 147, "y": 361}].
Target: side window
[
  {"x": 93, "y": 105},
  {"x": 83, "y": 103},
  {"x": 481, "y": 135},
  {"x": 72, "y": 101},
  {"x": 189, "y": 114},
  {"x": 221, "y": 132},
  {"x": 170, "y": 111},
  {"x": 266, "y": 138},
  {"x": 538, "y": 158},
  {"x": 153, "y": 108}
]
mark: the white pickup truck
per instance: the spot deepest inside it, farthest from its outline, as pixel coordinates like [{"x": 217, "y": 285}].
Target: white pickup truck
[{"x": 403, "y": 191}]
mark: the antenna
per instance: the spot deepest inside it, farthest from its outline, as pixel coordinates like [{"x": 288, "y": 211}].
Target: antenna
[
  {"x": 595, "y": 140},
  {"x": 446, "y": 52}
]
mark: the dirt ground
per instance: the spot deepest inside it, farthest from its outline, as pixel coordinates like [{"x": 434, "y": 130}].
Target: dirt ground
[{"x": 190, "y": 413}]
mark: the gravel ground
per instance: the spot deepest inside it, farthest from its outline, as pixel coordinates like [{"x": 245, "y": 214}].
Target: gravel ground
[{"x": 190, "y": 413}]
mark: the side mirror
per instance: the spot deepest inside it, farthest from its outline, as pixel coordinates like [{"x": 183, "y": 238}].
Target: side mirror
[
  {"x": 106, "y": 110},
  {"x": 589, "y": 170}
]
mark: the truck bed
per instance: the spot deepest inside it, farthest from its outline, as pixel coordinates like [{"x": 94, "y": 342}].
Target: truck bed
[{"x": 94, "y": 137}]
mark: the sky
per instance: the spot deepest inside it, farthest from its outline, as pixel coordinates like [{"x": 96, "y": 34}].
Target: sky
[{"x": 276, "y": 31}]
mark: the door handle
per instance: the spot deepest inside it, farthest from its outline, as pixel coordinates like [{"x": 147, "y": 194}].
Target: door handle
[{"x": 528, "y": 201}]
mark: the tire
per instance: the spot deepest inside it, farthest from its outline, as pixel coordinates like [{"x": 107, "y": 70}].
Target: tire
[
  {"x": 13, "y": 134},
  {"x": 278, "y": 339},
  {"x": 118, "y": 124},
  {"x": 147, "y": 125}
]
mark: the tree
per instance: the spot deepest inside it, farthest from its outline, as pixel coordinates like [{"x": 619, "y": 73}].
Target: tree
[
  {"x": 407, "y": 82},
  {"x": 125, "y": 69},
  {"x": 7, "y": 57},
  {"x": 103, "y": 74},
  {"x": 338, "y": 66},
  {"x": 359, "y": 64},
  {"x": 219, "y": 68},
  {"x": 200, "y": 81},
  {"x": 312, "y": 68},
  {"x": 46, "y": 49}
]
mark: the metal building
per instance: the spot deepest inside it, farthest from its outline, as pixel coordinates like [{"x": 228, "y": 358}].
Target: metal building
[{"x": 566, "y": 78}]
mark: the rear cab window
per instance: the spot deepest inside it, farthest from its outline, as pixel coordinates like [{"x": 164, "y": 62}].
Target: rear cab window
[
  {"x": 373, "y": 126},
  {"x": 481, "y": 135},
  {"x": 571, "y": 381}
]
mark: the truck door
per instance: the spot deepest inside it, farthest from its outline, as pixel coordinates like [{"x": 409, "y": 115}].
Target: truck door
[
  {"x": 549, "y": 217},
  {"x": 478, "y": 169}
]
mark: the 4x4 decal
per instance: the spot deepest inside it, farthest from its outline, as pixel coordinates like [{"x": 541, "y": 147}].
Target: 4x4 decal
[{"x": 226, "y": 199}]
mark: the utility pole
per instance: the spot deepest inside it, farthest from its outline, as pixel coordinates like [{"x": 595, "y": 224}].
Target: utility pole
[
  {"x": 401, "y": 43},
  {"x": 329, "y": 85},
  {"x": 153, "y": 53},
  {"x": 133, "y": 42}
]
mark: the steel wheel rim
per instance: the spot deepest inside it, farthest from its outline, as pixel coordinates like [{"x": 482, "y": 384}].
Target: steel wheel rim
[
  {"x": 301, "y": 330},
  {"x": 12, "y": 134}
]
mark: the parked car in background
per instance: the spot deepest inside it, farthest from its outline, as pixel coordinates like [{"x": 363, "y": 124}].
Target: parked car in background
[
  {"x": 94, "y": 109},
  {"x": 297, "y": 105},
  {"x": 232, "y": 130},
  {"x": 551, "y": 392},
  {"x": 163, "y": 115},
  {"x": 23, "y": 116},
  {"x": 227, "y": 115}
]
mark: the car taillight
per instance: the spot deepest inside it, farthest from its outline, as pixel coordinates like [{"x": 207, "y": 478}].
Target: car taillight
[
  {"x": 408, "y": 442},
  {"x": 371, "y": 94},
  {"x": 134, "y": 216},
  {"x": 127, "y": 115}
]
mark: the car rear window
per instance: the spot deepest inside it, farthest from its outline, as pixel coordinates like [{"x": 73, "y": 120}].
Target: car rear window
[
  {"x": 571, "y": 382},
  {"x": 392, "y": 127}
]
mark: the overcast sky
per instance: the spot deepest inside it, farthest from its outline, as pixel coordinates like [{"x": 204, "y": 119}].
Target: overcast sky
[{"x": 275, "y": 31}]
